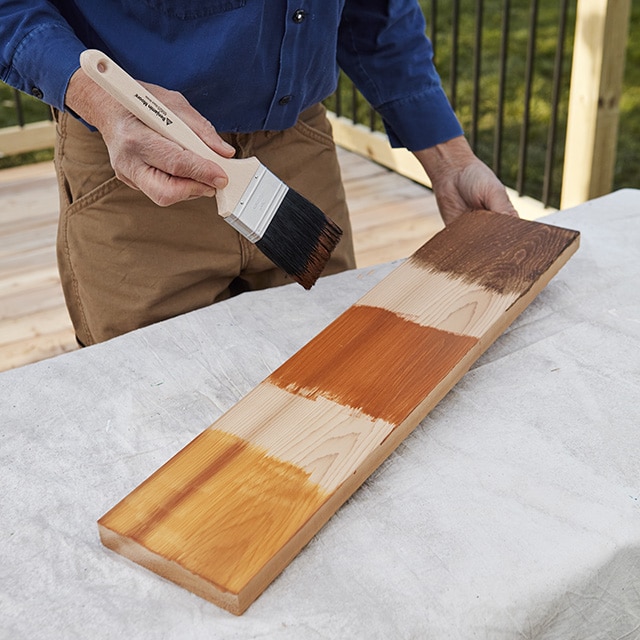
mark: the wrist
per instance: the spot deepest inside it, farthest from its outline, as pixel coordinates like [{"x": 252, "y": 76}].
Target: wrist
[
  {"x": 88, "y": 101},
  {"x": 446, "y": 156}
]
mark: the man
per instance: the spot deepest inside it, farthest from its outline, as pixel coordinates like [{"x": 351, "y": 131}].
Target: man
[{"x": 139, "y": 239}]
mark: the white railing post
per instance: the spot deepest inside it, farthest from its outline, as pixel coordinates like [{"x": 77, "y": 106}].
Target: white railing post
[{"x": 596, "y": 85}]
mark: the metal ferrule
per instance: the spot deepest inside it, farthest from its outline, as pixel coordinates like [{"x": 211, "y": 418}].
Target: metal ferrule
[{"x": 259, "y": 203}]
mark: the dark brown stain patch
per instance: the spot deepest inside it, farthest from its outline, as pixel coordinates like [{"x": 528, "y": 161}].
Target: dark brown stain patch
[
  {"x": 501, "y": 253},
  {"x": 372, "y": 360}
]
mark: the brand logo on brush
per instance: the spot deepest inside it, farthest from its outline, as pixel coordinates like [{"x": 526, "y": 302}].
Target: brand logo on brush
[{"x": 154, "y": 107}]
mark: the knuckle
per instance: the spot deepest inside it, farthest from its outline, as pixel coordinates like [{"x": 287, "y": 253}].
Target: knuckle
[
  {"x": 179, "y": 164},
  {"x": 176, "y": 98}
]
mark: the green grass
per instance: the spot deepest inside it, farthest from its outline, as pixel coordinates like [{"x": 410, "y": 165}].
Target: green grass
[{"x": 26, "y": 158}]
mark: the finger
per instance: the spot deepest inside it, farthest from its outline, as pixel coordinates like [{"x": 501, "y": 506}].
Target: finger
[
  {"x": 169, "y": 177},
  {"x": 166, "y": 190},
  {"x": 451, "y": 206},
  {"x": 181, "y": 163},
  {"x": 160, "y": 168},
  {"x": 171, "y": 159},
  {"x": 501, "y": 203},
  {"x": 194, "y": 120},
  {"x": 207, "y": 132}
]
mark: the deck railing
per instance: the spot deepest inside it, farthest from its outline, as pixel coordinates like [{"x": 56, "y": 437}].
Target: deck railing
[
  {"x": 30, "y": 126},
  {"x": 536, "y": 85}
]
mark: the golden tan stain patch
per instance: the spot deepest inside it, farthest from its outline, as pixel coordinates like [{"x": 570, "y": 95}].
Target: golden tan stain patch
[
  {"x": 221, "y": 509},
  {"x": 375, "y": 361}
]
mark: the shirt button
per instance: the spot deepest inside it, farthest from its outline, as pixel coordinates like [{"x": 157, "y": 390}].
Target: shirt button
[
  {"x": 37, "y": 93},
  {"x": 285, "y": 100},
  {"x": 299, "y": 15}
]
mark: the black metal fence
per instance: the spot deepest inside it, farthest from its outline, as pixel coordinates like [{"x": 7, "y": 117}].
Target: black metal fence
[{"x": 505, "y": 66}]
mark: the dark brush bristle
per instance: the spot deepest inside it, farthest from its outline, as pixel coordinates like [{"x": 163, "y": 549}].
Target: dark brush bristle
[{"x": 300, "y": 239}]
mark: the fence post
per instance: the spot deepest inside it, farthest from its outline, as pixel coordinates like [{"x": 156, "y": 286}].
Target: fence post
[{"x": 596, "y": 85}]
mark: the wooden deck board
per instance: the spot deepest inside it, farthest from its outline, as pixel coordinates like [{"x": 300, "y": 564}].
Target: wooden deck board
[{"x": 391, "y": 217}]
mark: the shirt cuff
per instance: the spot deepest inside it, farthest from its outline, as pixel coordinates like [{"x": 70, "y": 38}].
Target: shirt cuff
[
  {"x": 45, "y": 70},
  {"x": 420, "y": 121}
]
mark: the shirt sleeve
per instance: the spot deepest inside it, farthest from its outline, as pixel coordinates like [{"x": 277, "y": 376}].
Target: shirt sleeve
[
  {"x": 383, "y": 48},
  {"x": 39, "y": 52}
]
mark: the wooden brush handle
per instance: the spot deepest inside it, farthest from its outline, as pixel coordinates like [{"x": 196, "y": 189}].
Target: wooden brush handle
[{"x": 147, "y": 108}]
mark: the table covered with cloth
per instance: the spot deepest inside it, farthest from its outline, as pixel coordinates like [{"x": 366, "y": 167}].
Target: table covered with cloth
[{"x": 511, "y": 512}]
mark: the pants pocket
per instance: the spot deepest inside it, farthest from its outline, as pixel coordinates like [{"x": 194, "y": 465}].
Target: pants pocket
[
  {"x": 313, "y": 124},
  {"x": 82, "y": 163}
]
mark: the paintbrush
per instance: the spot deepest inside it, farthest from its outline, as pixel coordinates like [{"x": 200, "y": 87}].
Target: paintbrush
[{"x": 291, "y": 231}]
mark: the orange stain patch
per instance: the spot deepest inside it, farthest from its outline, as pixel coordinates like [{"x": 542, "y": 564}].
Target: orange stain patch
[
  {"x": 372, "y": 360},
  {"x": 220, "y": 509}
]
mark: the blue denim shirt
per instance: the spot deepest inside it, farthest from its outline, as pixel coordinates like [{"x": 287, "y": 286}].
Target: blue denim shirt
[{"x": 246, "y": 65}]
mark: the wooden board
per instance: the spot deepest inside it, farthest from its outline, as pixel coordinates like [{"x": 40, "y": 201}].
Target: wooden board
[{"x": 228, "y": 512}]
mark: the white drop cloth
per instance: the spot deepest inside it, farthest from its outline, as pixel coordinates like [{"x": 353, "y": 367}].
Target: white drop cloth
[{"x": 512, "y": 512}]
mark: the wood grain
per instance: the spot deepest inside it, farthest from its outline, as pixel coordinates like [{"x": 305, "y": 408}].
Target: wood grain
[
  {"x": 328, "y": 440},
  {"x": 241, "y": 505},
  {"x": 499, "y": 253},
  {"x": 233, "y": 508},
  {"x": 374, "y": 361},
  {"x": 467, "y": 310}
]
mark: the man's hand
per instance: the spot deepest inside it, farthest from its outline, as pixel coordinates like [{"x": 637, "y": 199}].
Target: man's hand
[
  {"x": 461, "y": 181},
  {"x": 142, "y": 158}
]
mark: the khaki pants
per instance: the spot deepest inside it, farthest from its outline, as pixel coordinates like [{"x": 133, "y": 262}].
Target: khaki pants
[{"x": 125, "y": 262}]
